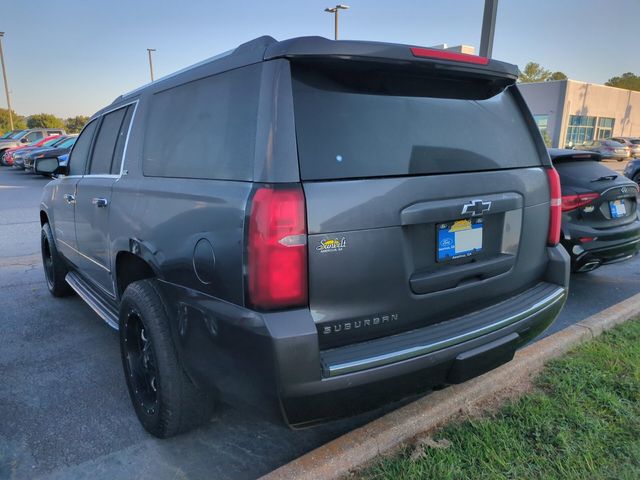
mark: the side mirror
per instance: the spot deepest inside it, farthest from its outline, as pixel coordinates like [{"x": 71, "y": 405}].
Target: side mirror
[
  {"x": 23, "y": 140},
  {"x": 49, "y": 166}
]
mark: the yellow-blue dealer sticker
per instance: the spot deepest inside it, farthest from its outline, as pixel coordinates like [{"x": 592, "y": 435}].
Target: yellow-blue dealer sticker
[{"x": 459, "y": 239}]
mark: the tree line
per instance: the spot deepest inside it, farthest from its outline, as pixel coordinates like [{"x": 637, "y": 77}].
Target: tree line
[
  {"x": 41, "y": 120},
  {"x": 534, "y": 72}
]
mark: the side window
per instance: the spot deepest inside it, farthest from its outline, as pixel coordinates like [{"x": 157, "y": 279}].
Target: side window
[
  {"x": 34, "y": 136},
  {"x": 106, "y": 142},
  {"x": 205, "y": 128},
  {"x": 122, "y": 139},
  {"x": 80, "y": 152}
]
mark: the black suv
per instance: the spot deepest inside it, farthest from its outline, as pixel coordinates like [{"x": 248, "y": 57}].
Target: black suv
[
  {"x": 329, "y": 225},
  {"x": 600, "y": 221}
]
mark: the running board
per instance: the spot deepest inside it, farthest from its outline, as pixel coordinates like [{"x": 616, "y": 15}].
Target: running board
[{"x": 93, "y": 299}]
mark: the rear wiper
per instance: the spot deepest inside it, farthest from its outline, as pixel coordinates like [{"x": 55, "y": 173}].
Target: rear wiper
[{"x": 605, "y": 177}]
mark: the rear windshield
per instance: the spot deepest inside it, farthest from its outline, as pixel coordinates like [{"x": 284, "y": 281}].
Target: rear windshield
[
  {"x": 586, "y": 171},
  {"x": 374, "y": 124}
]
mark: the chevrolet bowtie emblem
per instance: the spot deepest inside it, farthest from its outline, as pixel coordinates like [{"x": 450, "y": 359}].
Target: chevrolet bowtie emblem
[{"x": 476, "y": 208}]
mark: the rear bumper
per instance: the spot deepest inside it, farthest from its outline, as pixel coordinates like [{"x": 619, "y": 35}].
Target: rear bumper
[
  {"x": 611, "y": 245},
  {"x": 272, "y": 361},
  {"x": 373, "y": 373}
]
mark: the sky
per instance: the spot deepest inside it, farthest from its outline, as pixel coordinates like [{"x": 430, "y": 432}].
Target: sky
[{"x": 72, "y": 57}]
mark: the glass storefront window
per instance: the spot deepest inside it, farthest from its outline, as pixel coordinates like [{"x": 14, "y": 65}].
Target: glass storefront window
[
  {"x": 581, "y": 129},
  {"x": 605, "y": 127}
]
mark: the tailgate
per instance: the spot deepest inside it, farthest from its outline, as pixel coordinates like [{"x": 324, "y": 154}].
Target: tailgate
[
  {"x": 426, "y": 197},
  {"x": 374, "y": 264}
]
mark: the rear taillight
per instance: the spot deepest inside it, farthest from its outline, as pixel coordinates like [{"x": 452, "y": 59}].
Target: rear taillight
[
  {"x": 572, "y": 202},
  {"x": 446, "y": 55},
  {"x": 277, "y": 248},
  {"x": 555, "y": 215}
]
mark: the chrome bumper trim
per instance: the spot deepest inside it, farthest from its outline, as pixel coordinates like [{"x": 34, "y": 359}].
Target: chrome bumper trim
[{"x": 333, "y": 370}]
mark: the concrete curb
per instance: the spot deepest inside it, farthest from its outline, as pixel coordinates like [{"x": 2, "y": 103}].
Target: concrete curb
[{"x": 382, "y": 436}]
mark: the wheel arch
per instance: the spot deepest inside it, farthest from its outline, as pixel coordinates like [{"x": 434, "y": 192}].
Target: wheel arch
[
  {"x": 44, "y": 218},
  {"x": 130, "y": 268}
]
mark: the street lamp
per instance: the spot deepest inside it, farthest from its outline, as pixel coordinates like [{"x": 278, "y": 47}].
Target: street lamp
[
  {"x": 335, "y": 11},
  {"x": 6, "y": 85},
  {"x": 149, "y": 50}
]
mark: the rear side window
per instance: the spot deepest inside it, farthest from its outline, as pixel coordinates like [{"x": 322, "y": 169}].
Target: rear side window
[
  {"x": 393, "y": 123},
  {"x": 106, "y": 142},
  {"x": 116, "y": 164},
  {"x": 80, "y": 152},
  {"x": 204, "y": 129}
]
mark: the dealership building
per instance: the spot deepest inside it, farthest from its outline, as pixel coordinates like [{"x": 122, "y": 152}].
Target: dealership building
[{"x": 569, "y": 112}]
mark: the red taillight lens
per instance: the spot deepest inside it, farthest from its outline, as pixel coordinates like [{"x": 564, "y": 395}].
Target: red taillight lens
[
  {"x": 555, "y": 216},
  {"x": 277, "y": 248},
  {"x": 571, "y": 202},
  {"x": 446, "y": 55}
]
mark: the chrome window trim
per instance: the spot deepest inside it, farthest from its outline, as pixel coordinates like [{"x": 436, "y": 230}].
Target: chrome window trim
[{"x": 126, "y": 141}]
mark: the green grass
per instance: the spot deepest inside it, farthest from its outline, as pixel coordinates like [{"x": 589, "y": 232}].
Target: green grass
[{"x": 581, "y": 421}]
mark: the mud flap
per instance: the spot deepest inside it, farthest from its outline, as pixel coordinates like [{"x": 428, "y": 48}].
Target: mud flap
[{"x": 480, "y": 360}]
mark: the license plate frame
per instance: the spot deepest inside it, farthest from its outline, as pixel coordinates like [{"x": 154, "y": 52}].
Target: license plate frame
[
  {"x": 459, "y": 239},
  {"x": 617, "y": 208}
]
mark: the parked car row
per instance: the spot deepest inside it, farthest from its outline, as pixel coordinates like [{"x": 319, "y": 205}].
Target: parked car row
[
  {"x": 615, "y": 148},
  {"x": 26, "y": 155},
  {"x": 17, "y": 138}
]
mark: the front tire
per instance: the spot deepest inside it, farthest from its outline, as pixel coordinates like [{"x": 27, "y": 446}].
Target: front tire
[
  {"x": 164, "y": 398},
  {"x": 55, "y": 269}
]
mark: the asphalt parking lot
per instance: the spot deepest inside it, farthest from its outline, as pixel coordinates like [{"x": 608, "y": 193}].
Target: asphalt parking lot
[{"x": 64, "y": 408}]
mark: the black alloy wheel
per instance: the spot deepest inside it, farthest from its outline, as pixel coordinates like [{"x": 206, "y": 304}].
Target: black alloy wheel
[{"x": 141, "y": 365}]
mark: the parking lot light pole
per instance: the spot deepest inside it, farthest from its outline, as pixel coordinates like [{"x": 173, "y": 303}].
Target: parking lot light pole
[
  {"x": 335, "y": 11},
  {"x": 149, "y": 50},
  {"x": 488, "y": 27},
  {"x": 6, "y": 85}
]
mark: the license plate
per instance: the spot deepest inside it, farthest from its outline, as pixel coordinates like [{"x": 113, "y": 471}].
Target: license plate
[
  {"x": 459, "y": 239},
  {"x": 617, "y": 209}
]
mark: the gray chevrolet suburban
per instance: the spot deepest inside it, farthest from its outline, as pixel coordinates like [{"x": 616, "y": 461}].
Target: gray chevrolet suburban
[{"x": 311, "y": 226}]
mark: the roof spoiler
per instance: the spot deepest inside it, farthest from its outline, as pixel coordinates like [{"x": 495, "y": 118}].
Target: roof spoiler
[
  {"x": 319, "y": 47},
  {"x": 568, "y": 155}
]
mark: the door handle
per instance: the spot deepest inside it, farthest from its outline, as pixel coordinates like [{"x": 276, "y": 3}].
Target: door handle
[
  {"x": 70, "y": 198},
  {"x": 100, "y": 202}
]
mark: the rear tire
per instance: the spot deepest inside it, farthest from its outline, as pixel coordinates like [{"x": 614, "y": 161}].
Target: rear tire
[
  {"x": 164, "y": 398},
  {"x": 55, "y": 270}
]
